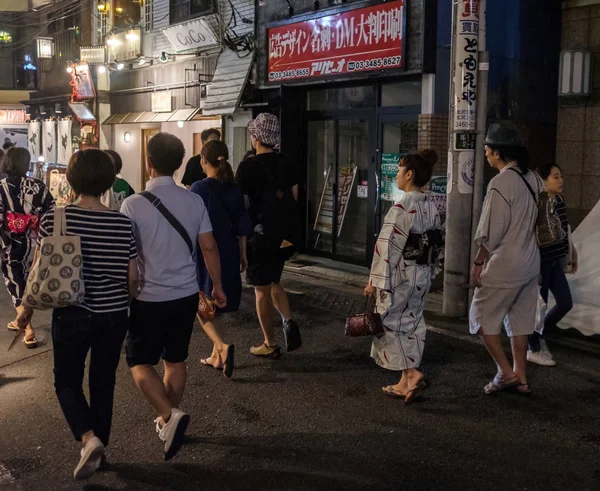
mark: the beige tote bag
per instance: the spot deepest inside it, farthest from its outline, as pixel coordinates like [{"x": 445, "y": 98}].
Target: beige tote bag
[{"x": 56, "y": 276}]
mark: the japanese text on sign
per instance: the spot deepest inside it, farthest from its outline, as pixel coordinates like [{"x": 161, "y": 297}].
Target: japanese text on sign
[
  {"x": 358, "y": 40},
  {"x": 467, "y": 54}
]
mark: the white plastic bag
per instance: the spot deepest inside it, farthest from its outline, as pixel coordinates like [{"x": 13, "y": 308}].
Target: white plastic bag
[{"x": 585, "y": 284}]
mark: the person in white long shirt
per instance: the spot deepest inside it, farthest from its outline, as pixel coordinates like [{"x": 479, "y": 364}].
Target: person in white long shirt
[{"x": 506, "y": 268}]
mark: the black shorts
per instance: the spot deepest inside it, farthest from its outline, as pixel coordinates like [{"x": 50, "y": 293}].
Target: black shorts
[
  {"x": 265, "y": 266},
  {"x": 160, "y": 329}
]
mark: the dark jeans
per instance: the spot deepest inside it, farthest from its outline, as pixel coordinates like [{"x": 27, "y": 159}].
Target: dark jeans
[
  {"x": 75, "y": 331},
  {"x": 554, "y": 280}
]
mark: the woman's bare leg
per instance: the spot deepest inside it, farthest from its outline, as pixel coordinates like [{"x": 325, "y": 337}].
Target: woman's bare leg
[
  {"x": 29, "y": 332},
  {"x": 214, "y": 330}
]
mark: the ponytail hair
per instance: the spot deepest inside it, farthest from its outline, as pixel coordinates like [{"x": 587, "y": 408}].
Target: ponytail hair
[
  {"x": 421, "y": 164},
  {"x": 216, "y": 153}
]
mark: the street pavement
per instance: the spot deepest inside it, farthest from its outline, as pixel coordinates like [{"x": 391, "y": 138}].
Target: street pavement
[{"x": 317, "y": 419}]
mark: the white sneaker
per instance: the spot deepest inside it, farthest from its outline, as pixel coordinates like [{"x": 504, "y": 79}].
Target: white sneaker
[
  {"x": 90, "y": 458},
  {"x": 543, "y": 358},
  {"x": 544, "y": 346},
  {"x": 172, "y": 432}
]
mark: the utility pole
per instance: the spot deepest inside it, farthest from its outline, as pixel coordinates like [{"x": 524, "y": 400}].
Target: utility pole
[
  {"x": 461, "y": 154},
  {"x": 482, "y": 93}
]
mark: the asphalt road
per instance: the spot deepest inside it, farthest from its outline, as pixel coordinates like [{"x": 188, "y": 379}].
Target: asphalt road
[{"x": 317, "y": 419}]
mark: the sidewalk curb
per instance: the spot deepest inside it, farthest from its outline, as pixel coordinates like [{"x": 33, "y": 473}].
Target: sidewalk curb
[
  {"x": 303, "y": 271},
  {"x": 448, "y": 325}
]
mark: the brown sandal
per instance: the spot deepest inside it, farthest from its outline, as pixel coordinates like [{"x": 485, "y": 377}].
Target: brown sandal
[
  {"x": 30, "y": 343},
  {"x": 11, "y": 326}
]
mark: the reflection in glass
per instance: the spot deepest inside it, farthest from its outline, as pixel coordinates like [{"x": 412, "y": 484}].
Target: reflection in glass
[
  {"x": 399, "y": 139},
  {"x": 321, "y": 156}
]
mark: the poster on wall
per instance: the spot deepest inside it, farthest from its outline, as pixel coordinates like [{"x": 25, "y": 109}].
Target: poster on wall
[
  {"x": 324, "y": 220},
  {"x": 49, "y": 151},
  {"x": 34, "y": 139},
  {"x": 65, "y": 148},
  {"x": 360, "y": 40},
  {"x": 58, "y": 186},
  {"x": 389, "y": 171},
  {"x": 437, "y": 194},
  {"x": 82, "y": 80}
]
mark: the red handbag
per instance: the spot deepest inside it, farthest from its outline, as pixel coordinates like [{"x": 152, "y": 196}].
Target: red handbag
[{"x": 367, "y": 324}]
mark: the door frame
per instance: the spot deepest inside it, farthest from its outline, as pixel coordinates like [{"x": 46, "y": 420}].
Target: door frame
[{"x": 385, "y": 116}]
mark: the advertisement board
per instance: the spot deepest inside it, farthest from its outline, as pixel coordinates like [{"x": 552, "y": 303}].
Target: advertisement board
[
  {"x": 324, "y": 220},
  {"x": 465, "y": 82},
  {"x": 359, "y": 40}
]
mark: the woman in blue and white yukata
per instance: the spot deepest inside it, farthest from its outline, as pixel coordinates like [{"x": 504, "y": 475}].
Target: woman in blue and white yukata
[{"x": 400, "y": 277}]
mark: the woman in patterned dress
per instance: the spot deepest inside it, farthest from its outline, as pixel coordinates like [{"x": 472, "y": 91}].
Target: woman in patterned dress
[
  {"x": 399, "y": 282},
  {"x": 23, "y": 201}
]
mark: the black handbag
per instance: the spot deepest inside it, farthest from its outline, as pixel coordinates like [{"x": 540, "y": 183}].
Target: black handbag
[{"x": 367, "y": 324}]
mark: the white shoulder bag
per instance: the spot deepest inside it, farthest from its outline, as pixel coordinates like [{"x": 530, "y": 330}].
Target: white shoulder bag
[{"x": 56, "y": 276}]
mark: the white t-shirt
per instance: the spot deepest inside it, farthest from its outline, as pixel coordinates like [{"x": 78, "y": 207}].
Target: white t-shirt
[
  {"x": 507, "y": 230},
  {"x": 167, "y": 269}
]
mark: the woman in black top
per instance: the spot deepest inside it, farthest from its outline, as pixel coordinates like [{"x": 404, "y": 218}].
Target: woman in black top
[{"x": 556, "y": 259}]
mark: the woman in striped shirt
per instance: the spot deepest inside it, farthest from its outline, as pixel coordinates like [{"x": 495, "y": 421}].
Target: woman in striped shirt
[
  {"x": 100, "y": 322},
  {"x": 556, "y": 258}
]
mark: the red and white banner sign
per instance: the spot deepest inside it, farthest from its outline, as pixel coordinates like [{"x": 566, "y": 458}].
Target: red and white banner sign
[{"x": 359, "y": 40}]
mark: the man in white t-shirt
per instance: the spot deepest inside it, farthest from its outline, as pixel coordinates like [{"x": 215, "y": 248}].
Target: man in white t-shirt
[{"x": 167, "y": 221}]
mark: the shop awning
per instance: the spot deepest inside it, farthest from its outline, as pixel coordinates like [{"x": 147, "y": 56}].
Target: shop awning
[
  {"x": 224, "y": 92},
  {"x": 152, "y": 117}
]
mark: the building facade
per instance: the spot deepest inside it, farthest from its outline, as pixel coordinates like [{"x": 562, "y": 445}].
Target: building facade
[
  {"x": 345, "y": 125},
  {"x": 182, "y": 68},
  {"x": 578, "y": 129}
]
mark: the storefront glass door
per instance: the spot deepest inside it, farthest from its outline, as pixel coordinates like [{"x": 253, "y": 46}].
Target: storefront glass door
[
  {"x": 398, "y": 136},
  {"x": 338, "y": 168}
]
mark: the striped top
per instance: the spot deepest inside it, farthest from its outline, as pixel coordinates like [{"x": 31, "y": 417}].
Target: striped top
[
  {"x": 560, "y": 249},
  {"x": 107, "y": 244}
]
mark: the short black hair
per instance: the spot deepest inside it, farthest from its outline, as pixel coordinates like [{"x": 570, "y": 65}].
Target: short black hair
[
  {"x": 91, "y": 172},
  {"x": 7, "y": 145},
  {"x": 166, "y": 153},
  {"x": 117, "y": 160},
  {"x": 206, "y": 134},
  {"x": 545, "y": 170}
]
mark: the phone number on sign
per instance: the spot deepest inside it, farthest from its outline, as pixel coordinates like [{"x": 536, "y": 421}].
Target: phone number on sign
[
  {"x": 301, "y": 72},
  {"x": 375, "y": 63}
]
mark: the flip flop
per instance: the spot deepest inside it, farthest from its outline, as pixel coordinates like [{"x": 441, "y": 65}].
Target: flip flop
[
  {"x": 204, "y": 361},
  {"x": 498, "y": 384},
  {"x": 415, "y": 393},
  {"x": 30, "y": 343},
  {"x": 11, "y": 326},
  {"x": 229, "y": 363},
  {"x": 391, "y": 392}
]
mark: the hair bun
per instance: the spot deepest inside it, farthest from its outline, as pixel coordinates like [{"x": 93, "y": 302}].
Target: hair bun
[{"x": 429, "y": 156}]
